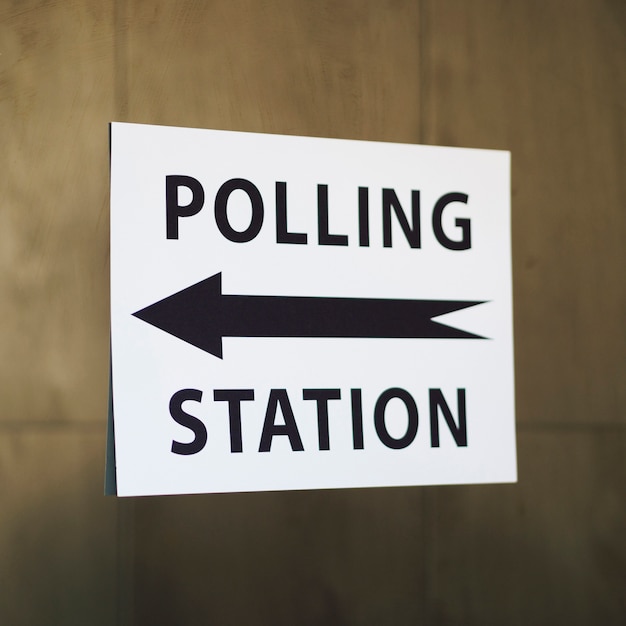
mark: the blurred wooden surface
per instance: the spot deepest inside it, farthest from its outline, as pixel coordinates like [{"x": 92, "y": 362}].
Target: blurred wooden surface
[{"x": 546, "y": 80}]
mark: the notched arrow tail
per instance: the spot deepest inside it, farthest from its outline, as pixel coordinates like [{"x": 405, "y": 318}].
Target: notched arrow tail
[{"x": 202, "y": 316}]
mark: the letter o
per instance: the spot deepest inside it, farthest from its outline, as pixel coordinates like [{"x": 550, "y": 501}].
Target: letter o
[
  {"x": 221, "y": 213},
  {"x": 412, "y": 418}
]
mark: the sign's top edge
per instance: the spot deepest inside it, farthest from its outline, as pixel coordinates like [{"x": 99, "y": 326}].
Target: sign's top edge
[{"x": 309, "y": 137}]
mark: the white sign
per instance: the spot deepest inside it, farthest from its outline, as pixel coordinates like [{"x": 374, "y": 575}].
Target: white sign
[{"x": 304, "y": 313}]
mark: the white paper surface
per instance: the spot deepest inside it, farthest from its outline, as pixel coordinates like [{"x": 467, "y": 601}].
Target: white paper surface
[{"x": 149, "y": 365}]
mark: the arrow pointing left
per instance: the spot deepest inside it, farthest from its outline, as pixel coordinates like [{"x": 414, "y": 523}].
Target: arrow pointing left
[{"x": 201, "y": 315}]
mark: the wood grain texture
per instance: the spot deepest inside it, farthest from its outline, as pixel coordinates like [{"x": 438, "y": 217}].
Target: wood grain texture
[
  {"x": 339, "y": 69},
  {"x": 57, "y": 532},
  {"x": 320, "y": 557},
  {"x": 332, "y": 69},
  {"x": 547, "y": 81},
  {"x": 56, "y": 85},
  {"x": 549, "y": 550},
  {"x": 58, "y": 535}
]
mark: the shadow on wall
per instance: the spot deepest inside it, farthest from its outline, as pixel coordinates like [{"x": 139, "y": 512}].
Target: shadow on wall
[
  {"x": 315, "y": 557},
  {"x": 547, "y": 550},
  {"x": 58, "y": 545}
]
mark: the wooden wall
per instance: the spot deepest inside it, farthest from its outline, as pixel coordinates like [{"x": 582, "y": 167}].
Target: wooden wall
[{"x": 545, "y": 79}]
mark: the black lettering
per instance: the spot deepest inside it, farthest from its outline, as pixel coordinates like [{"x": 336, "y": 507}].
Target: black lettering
[
  {"x": 173, "y": 210},
  {"x": 357, "y": 419},
  {"x": 322, "y": 396},
  {"x": 282, "y": 234},
  {"x": 463, "y": 223},
  {"x": 221, "y": 210},
  {"x": 379, "y": 418},
  {"x": 364, "y": 217},
  {"x": 458, "y": 432},
  {"x": 324, "y": 237},
  {"x": 188, "y": 421},
  {"x": 234, "y": 397},
  {"x": 270, "y": 428},
  {"x": 412, "y": 234}
]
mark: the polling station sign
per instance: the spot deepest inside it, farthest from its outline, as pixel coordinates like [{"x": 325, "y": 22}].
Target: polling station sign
[{"x": 302, "y": 313}]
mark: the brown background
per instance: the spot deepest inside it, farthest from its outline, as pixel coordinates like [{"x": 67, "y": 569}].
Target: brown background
[{"x": 545, "y": 79}]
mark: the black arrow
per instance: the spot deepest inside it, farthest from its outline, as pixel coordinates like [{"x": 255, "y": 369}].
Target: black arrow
[{"x": 201, "y": 315}]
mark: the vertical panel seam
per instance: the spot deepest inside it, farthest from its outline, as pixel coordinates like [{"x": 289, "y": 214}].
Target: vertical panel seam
[
  {"x": 124, "y": 588},
  {"x": 120, "y": 59}
]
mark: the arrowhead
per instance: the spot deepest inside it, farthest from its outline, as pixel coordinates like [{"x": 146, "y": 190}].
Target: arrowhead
[{"x": 193, "y": 315}]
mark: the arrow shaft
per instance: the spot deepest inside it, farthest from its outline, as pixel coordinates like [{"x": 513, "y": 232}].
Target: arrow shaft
[
  {"x": 278, "y": 316},
  {"x": 201, "y": 315}
]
